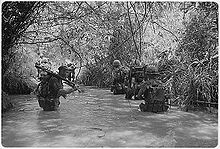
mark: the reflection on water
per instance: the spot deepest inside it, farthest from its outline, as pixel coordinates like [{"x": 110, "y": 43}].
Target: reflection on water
[{"x": 49, "y": 121}]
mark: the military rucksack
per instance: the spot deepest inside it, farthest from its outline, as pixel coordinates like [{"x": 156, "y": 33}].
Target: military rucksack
[
  {"x": 49, "y": 88},
  {"x": 44, "y": 89}
]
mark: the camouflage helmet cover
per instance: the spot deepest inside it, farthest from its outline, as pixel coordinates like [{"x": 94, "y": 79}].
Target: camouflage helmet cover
[{"x": 116, "y": 63}]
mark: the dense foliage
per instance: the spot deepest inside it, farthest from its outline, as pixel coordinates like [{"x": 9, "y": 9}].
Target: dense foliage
[
  {"x": 195, "y": 70},
  {"x": 181, "y": 38},
  {"x": 97, "y": 74},
  {"x": 198, "y": 51},
  {"x": 16, "y": 18}
]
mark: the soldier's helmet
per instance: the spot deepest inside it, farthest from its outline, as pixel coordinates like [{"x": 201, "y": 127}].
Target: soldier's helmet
[{"x": 116, "y": 63}]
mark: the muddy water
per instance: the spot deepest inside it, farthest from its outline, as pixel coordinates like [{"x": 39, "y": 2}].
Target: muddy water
[{"x": 97, "y": 118}]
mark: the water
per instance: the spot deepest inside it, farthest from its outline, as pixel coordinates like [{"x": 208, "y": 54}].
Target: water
[{"x": 97, "y": 118}]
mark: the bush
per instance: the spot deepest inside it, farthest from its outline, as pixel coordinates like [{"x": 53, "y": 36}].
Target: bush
[
  {"x": 97, "y": 75},
  {"x": 15, "y": 85},
  {"x": 195, "y": 73}
]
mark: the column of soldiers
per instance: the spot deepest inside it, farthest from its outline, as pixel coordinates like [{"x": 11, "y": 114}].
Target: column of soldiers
[
  {"x": 51, "y": 88},
  {"x": 144, "y": 84}
]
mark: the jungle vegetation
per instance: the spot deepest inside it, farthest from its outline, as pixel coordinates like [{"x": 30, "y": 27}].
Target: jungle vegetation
[{"x": 181, "y": 38}]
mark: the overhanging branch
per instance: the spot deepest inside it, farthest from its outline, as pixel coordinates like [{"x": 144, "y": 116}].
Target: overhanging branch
[{"x": 166, "y": 30}]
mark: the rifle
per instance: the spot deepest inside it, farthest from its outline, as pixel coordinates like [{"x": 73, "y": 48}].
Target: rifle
[{"x": 72, "y": 84}]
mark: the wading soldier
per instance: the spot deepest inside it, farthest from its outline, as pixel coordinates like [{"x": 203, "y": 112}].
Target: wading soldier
[
  {"x": 152, "y": 92},
  {"x": 49, "y": 90},
  {"x": 118, "y": 74}
]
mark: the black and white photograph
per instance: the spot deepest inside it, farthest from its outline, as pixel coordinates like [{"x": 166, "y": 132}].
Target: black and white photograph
[{"x": 109, "y": 74}]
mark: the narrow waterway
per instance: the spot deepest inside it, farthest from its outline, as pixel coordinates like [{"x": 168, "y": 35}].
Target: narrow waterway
[{"x": 97, "y": 118}]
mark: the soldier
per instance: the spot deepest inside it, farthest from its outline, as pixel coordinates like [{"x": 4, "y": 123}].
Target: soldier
[
  {"x": 73, "y": 68},
  {"x": 49, "y": 90},
  {"x": 152, "y": 92},
  {"x": 135, "y": 78},
  {"x": 147, "y": 86},
  {"x": 62, "y": 71},
  {"x": 71, "y": 72},
  {"x": 118, "y": 74}
]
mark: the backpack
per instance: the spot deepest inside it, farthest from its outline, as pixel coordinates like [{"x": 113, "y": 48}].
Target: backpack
[
  {"x": 44, "y": 89},
  {"x": 49, "y": 88}
]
